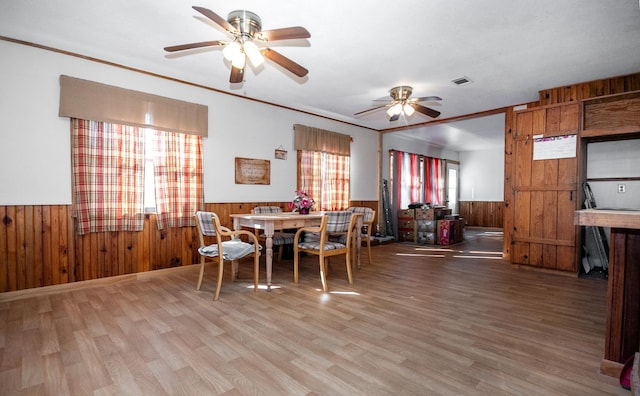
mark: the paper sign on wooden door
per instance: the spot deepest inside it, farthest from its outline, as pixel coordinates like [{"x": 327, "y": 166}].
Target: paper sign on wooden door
[{"x": 554, "y": 147}]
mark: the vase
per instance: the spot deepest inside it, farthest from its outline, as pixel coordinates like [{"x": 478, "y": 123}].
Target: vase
[{"x": 303, "y": 210}]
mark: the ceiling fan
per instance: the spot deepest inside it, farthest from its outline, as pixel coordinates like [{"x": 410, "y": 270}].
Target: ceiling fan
[
  {"x": 401, "y": 103},
  {"x": 246, "y": 29}
]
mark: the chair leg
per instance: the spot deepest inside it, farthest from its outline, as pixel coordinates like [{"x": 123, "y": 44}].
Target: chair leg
[
  {"x": 295, "y": 263},
  {"x": 236, "y": 270},
  {"x": 354, "y": 251},
  {"x": 220, "y": 273},
  {"x": 256, "y": 271},
  {"x": 369, "y": 248},
  {"x": 323, "y": 274},
  {"x": 280, "y": 253},
  {"x": 202, "y": 260},
  {"x": 349, "y": 272}
]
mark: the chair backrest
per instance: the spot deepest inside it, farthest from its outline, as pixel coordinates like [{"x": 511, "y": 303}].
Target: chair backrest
[
  {"x": 205, "y": 223},
  {"x": 367, "y": 213},
  {"x": 338, "y": 221},
  {"x": 267, "y": 209}
]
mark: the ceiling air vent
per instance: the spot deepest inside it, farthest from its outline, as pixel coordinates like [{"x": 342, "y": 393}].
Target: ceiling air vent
[{"x": 462, "y": 81}]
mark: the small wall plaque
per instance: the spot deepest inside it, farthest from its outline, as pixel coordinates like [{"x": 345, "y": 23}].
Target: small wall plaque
[
  {"x": 281, "y": 153},
  {"x": 253, "y": 171}
]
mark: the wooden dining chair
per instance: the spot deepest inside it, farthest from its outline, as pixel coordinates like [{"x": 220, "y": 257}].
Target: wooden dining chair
[
  {"x": 319, "y": 244},
  {"x": 232, "y": 247},
  {"x": 280, "y": 238},
  {"x": 368, "y": 217}
]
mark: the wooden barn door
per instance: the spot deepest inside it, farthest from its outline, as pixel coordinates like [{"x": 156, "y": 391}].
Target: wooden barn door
[{"x": 545, "y": 191}]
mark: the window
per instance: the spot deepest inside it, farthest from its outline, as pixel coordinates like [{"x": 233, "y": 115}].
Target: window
[
  {"x": 416, "y": 178},
  {"x": 325, "y": 177},
  {"x": 149, "y": 185},
  {"x": 323, "y": 166},
  {"x": 119, "y": 170}
]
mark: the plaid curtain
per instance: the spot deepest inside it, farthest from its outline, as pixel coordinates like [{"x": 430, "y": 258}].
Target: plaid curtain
[
  {"x": 325, "y": 177},
  {"x": 178, "y": 178},
  {"x": 108, "y": 176}
]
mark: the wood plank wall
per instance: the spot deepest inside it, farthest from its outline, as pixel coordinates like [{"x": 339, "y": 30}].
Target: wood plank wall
[
  {"x": 38, "y": 245},
  {"x": 591, "y": 89},
  {"x": 551, "y": 96},
  {"x": 482, "y": 213}
]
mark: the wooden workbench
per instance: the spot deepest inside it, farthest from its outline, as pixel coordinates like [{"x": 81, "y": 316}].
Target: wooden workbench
[{"x": 623, "y": 295}]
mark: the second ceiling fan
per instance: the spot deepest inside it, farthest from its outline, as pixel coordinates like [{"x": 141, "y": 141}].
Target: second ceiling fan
[
  {"x": 246, "y": 29},
  {"x": 402, "y": 103}
]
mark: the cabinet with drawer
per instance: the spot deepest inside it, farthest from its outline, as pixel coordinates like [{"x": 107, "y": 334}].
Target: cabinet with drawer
[
  {"x": 420, "y": 225},
  {"x": 431, "y": 213},
  {"x": 406, "y": 226}
]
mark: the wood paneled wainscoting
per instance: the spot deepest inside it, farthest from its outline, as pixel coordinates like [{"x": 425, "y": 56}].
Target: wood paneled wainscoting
[
  {"x": 39, "y": 246},
  {"x": 482, "y": 213}
]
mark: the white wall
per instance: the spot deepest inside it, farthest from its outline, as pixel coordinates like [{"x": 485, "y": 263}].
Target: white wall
[
  {"x": 482, "y": 175},
  {"x": 35, "y": 164},
  {"x": 619, "y": 158}
]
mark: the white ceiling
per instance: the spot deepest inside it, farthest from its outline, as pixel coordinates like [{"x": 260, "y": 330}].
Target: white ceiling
[{"x": 358, "y": 50}]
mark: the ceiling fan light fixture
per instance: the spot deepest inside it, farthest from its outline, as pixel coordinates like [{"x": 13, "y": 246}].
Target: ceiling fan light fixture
[
  {"x": 232, "y": 51},
  {"x": 408, "y": 110},
  {"x": 245, "y": 27},
  {"x": 252, "y": 51},
  {"x": 394, "y": 110},
  {"x": 239, "y": 61}
]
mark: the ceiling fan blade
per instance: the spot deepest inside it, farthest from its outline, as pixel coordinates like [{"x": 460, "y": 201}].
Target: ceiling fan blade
[
  {"x": 194, "y": 45},
  {"x": 425, "y": 110},
  {"x": 426, "y": 99},
  {"x": 395, "y": 117},
  {"x": 237, "y": 75},
  {"x": 368, "y": 110},
  {"x": 285, "y": 62},
  {"x": 217, "y": 19},
  {"x": 290, "y": 33}
]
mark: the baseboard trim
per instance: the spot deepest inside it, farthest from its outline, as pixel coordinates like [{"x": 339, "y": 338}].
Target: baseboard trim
[
  {"x": 610, "y": 368},
  {"x": 111, "y": 280}
]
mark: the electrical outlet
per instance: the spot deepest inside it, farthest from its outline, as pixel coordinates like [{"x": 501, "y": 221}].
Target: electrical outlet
[{"x": 622, "y": 188}]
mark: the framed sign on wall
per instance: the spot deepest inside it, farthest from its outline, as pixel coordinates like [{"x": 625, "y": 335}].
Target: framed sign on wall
[{"x": 253, "y": 171}]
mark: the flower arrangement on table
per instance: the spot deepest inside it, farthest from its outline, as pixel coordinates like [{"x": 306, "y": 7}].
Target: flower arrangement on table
[{"x": 302, "y": 202}]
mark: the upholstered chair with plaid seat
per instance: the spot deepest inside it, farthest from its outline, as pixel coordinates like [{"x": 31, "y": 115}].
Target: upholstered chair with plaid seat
[
  {"x": 319, "y": 244},
  {"x": 229, "y": 243},
  {"x": 368, "y": 217},
  {"x": 279, "y": 238}
]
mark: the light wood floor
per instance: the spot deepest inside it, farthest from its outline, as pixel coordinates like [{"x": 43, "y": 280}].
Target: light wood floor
[{"x": 457, "y": 321}]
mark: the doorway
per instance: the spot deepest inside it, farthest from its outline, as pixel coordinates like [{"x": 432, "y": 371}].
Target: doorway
[{"x": 452, "y": 192}]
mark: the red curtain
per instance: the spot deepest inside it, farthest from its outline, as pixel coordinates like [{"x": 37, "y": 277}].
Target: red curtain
[{"x": 417, "y": 178}]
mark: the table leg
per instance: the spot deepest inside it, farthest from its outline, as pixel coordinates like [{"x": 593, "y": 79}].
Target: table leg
[
  {"x": 269, "y": 259},
  {"x": 358, "y": 240},
  {"x": 268, "y": 233}
]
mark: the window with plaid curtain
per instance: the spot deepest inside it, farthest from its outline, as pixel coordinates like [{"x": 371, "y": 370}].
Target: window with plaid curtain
[
  {"x": 323, "y": 166},
  {"x": 325, "y": 177},
  {"x": 108, "y": 176},
  {"x": 178, "y": 178}
]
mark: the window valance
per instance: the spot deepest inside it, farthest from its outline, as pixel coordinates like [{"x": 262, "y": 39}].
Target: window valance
[
  {"x": 316, "y": 139},
  {"x": 90, "y": 100}
]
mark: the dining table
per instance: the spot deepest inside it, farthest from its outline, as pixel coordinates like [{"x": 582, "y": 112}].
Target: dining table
[{"x": 268, "y": 223}]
